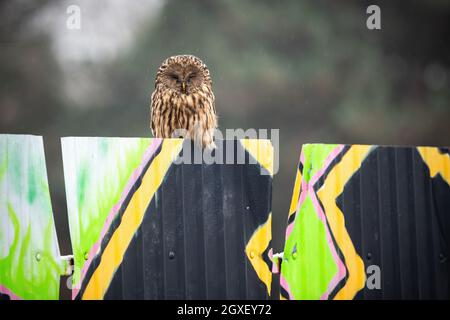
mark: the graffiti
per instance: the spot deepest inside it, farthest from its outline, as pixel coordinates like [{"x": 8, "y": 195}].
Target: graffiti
[
  {"x": 125, "y": 194},
  {"x": 29, "y": 255},
  {"x": 365, "y": 222},
  {"x": 355, "y": 206},
  {"x": 98, "y": 175}
]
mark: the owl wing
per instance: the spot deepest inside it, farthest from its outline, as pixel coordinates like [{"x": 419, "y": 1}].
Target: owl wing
[{"x": 155, "y": 114}]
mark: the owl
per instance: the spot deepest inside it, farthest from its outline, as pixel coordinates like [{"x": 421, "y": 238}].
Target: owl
[{"x": 183, "y": 99}]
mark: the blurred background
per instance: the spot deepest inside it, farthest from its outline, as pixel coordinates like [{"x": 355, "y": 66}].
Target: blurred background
[{"x": 309, "y": 68}]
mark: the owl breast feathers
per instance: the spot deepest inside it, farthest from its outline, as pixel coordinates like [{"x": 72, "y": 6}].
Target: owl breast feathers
[{"x": 183, "y": 101}]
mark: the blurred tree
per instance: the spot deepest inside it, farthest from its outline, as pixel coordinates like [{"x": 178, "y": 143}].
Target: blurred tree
[{"x": 29, "y": 75}]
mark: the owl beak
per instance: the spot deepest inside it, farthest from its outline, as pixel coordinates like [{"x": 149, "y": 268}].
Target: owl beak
[{"x": 183, "y": 86}]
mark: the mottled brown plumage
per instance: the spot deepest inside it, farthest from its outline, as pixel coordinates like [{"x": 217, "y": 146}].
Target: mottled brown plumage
[{"x": 183, "y": 99}]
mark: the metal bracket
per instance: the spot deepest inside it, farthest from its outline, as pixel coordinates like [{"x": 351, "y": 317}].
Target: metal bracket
[
  {"x": 68, "y": 264},
  {"x": 277, "y": 259}
]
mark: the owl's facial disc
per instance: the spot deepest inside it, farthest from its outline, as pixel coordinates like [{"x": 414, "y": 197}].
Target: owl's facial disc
[{"x": 183, "y": 79}]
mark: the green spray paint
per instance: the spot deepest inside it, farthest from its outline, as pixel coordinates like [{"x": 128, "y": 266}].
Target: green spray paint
[
  {"x": 26, "y": 221},
  {"x": 315, "y": 156},
  {"x": 96, "y": 173},
  {"x": 308, "y": 263}
]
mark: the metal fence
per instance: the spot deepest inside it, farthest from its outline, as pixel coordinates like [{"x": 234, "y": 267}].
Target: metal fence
[
  {"x": 368, "y": 222},
  {"x": 365, "y": 222},
  {"x": 171, "y": 230}
]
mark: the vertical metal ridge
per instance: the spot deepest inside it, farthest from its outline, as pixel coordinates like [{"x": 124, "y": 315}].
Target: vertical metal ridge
[
  {"x": 224, "y": 237},
  {"x": 187, "y": 252},
  {"x": 361, "y": 225},
  {"x": 437, "y": 249},
  {"x": 430, "y": 221},
  {"x": 380, "y": 218},
  {"x": 163, "y": 247},
  {"x": 413, "y": 234},
  {"x": 394, "y": 221},
  {"x": 421, "y": 229},
  {"x": 185, "y": 249},
  {"x": 398, "y": 216},
  {"x": 218, "y": 189},
  {"x": 180, "y": 245},
  {"x": 203, "y": 241},
  {"x": 244, "y": 220},
  {"x": 145, "y": 293}
]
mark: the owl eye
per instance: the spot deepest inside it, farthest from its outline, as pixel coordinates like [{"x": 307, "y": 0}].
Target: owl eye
[
  {"x": 191, "y": 76},
  {"x": 174, "y": 77}
]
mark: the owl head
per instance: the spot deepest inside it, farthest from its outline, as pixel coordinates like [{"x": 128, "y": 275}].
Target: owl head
[{"x": 184, "y": 74}]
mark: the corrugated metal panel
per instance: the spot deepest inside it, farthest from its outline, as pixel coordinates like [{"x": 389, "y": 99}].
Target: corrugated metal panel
[
  {"x": 368, "y": 222},
  {"x": 145, "y": 227},
  {"x": 30, "y": 265}
]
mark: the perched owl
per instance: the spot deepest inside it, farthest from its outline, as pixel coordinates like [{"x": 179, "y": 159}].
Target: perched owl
[{"x": 183, "y": 99}]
